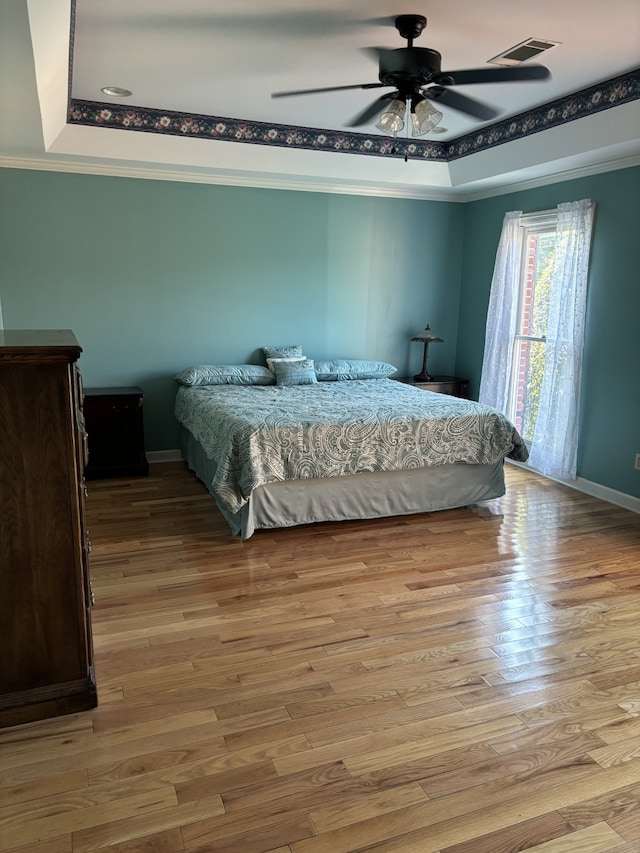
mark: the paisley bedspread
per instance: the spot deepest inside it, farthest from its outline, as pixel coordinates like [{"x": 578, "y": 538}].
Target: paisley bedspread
[{"x": 259, "y": 434}]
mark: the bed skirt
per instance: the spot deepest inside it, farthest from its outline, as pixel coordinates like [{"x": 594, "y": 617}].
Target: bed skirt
[{"x": 370, "y": 494}]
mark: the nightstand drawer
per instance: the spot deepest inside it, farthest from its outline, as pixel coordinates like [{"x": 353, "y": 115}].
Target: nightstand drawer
[{"x": 115, "y": 426}]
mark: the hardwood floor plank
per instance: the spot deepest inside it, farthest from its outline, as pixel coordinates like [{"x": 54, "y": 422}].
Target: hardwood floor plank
[
  {"x": 169, "y": 841},
  {"x": 295, "y": 790},
  {"x": 306, "y": 725},
  {"x": 110, "y": 748},
  {"x": 608, "y": 806},
  {"x": 368, "y": 804},
  {"x": 225, "y": 781},
  {"x": 71, "y": 814},
  {"x": 619, "y": 730},
  {"x": 260, "y": 840},
  {"x": 43, "y": 786},
  {"x": 626, "y": 750},
  {"x": 180, "y": 759},
  {"x": 364, "y": 754},
  {"x": 520, "y": 836},
  {"x": 451, "y": 780},
  {"x": 627, "y": 825},
  {"x": 129, "y": 829},
  {"x": 61, "y": 844},
  {"x": 362, "y": 725},
  {"x": 591, "y": 839}
]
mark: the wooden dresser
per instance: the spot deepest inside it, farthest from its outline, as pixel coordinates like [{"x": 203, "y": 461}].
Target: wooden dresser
[{"x": 46, "y": 665}]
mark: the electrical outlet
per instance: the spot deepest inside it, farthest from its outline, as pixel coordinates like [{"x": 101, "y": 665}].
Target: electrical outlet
[{"x": 637, "y": 465}]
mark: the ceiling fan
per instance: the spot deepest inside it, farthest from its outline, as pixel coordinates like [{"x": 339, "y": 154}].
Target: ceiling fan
[{"x": 416, "y": 78}]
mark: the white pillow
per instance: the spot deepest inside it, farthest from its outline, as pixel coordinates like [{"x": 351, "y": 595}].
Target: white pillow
[{"x": 272, "y": 361}]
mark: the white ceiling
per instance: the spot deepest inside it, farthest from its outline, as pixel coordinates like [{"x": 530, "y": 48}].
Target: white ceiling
[{"x": 226, "y": 58}]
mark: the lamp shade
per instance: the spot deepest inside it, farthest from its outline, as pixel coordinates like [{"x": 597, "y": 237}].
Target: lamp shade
[
  {"x": 392, "y": 119},
  {"x": 424, "y": 116},
  {"x": 428, "y": 336}
]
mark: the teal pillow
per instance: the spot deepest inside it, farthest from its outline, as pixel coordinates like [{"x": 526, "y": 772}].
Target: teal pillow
[
  {"x": 291, "y": 351},
  {"x": 295, "y": 372},
  {"x": 339, "y": 369},
  {"x": 226, "y": 374}
]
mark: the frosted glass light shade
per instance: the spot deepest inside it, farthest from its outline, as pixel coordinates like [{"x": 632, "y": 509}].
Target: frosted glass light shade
[
  {"x": 424, "y": 117},
  {"x": 392, "y": 119}
]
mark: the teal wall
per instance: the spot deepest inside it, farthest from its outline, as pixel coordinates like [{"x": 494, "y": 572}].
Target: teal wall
[
  {"x": 609, "y": 434},
  {"x": 154, "y": 276}
]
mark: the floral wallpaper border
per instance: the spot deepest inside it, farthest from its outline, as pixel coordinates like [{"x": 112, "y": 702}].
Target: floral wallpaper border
[{"x": 603, "y": 96}]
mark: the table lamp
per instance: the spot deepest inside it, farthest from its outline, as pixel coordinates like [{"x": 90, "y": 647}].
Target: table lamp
[{"x": 427, "y": 336}]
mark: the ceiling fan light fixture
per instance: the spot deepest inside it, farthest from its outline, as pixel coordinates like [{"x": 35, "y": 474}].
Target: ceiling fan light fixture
[
  {"x": 391, "y": 120},
  {"x": 424, "y": 117}
]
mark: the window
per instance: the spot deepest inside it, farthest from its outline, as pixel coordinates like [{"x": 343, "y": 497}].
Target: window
[
  {"x": 534, "y": 290},
  {"x": 534, "y": 340}
]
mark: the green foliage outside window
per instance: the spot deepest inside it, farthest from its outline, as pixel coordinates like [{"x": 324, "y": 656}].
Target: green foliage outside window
[{"x": 543, "y": 248}]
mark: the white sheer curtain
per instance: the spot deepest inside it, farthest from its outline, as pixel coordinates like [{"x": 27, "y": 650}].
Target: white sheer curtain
[
  {"x": 555, "y": 437},
  {"x": 554, "y": 445},
  {"x": 502, "y": 315}
]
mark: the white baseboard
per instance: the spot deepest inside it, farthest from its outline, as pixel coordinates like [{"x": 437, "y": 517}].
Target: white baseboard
[
  {"x": 604, "y": 493},
  {"x": 163, "y": 456}
]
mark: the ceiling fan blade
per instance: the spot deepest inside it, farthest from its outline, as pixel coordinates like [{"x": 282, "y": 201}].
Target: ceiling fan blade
[
  {"x": 326, "y": 89},
  {"x": 460, "y": 102},
  {"x": 371, "y": 111},
  {"x": 495, "y": 75},
  {"x": 299, "y": 24},
  {"x": 375, "y": 52}
]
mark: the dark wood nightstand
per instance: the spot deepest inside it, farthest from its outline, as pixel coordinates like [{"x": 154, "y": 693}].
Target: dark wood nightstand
[
  {"x": 114, "y": 422},
  {"x": 440, "y": 384}
]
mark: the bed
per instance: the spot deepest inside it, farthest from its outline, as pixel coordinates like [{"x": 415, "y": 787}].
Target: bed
[{"x": 353, "y": 445}]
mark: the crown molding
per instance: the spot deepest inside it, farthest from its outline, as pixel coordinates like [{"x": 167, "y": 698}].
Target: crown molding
[
  {"x": 460, "y": 195},
  {"x": 227, "y": 179},
  {"x": 586, "y": 171}
]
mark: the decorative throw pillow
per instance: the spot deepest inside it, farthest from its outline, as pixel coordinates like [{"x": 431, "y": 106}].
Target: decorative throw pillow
[
  {"x": 271, "y": 361},
  {"x": 291, "y": 351},
  {"x": 339, "y": 369},
  {"x": 295, "y": 372},
  {"x": 226, "y": 374}
]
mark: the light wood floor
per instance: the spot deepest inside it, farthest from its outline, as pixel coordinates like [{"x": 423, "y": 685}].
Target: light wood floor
[{"x": 465, "y": 682}]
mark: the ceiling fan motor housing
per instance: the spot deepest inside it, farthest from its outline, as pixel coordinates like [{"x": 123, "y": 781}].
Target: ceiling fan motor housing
[{"x": 415, "y": 65}]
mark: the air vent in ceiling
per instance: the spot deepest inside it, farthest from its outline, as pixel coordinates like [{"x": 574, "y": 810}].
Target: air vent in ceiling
[{"x": 521, "y": 52}]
